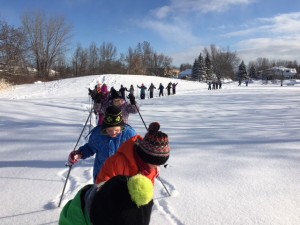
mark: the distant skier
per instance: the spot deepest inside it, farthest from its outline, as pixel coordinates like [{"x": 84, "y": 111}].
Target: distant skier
[
  {"x": 131, "y": 90},
  {"x": 143, "y": 91},
  {"x": 213, "y": 85},
  {"x": 100, "y": 99},
  {"x": 169, "y": 87},
  {"x": 174, "y": 88},
  {"x": 151, "y": 89},
  {"x": 240, "y": 82},
  {"x": 209, "y": 85},
  {"x": 161, "y": 90},
  {"x": 122, "y": 91}
]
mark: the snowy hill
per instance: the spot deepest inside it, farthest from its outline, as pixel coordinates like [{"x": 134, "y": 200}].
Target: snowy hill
[{"x": 235, "y": 155}]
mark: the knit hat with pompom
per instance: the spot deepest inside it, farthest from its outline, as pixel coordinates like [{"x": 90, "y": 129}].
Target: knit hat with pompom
[
  {"x": 123, "y": 200},
  {"x": 140, "y": 189},
  {"x": 154, "y": 148}
]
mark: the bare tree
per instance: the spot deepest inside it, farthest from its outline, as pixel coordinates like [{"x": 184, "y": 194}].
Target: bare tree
[
  {"x": 107, "y": 52},
  {"x": 147, "y": 55},
  {"x": 133, "y": 61},
  {"x": 93, "y": 59},
  {"x": 80, "y": 61},
  {"x": 12, "y": 50},
  {"x": 62, "y": 67},
  {"x": 144, "y": 60},
  {"x": 224, "y": 63},
  {"x": 47, "y": 39},
  {"x": 263, "y": 63},
  {"x": 161, "y": 64},
  {"x": 108, "y": 55}
]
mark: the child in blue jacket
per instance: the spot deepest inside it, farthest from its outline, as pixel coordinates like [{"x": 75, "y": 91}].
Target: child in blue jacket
[{"x": 104, "y": 140}]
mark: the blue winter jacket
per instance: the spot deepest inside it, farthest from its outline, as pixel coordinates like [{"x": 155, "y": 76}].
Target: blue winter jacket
[{"x": 104, "y": 146}]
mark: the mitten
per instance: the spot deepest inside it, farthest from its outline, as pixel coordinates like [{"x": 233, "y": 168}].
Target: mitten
[{"x": 74, "y": 157}]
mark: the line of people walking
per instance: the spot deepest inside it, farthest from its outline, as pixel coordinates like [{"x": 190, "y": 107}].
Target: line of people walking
[
  {"x": 171, "y": 87},
  {"x": 125, "y": 168},
  {"x": 212, "y": 85}
]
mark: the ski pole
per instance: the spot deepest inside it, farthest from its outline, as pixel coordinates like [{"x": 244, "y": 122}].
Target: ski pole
[
  {"x": 70, "y": 165},
  {"x": 141, "y": 116},
  {"x": 91, "y": 106},
  {"x": 164, "y": 186}
]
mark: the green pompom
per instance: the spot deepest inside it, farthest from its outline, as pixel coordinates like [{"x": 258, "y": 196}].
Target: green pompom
[{"x": 140, "y": 189}]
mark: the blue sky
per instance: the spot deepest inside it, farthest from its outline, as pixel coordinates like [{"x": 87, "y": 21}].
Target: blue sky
[{"x": 177, "y": 28}]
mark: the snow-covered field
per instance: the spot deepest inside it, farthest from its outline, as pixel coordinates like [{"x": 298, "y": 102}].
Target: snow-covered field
[{"x": 235, "y": 156}]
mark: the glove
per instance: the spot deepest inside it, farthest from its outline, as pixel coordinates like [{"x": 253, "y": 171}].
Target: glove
[
  {"x": 74, "y": 157},
  {"x": 132, "y": 99}
]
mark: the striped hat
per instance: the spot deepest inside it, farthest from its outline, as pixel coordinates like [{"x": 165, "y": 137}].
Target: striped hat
[{"x": 154, "y": 148}]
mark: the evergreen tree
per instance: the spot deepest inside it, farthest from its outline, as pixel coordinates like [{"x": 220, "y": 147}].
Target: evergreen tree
[
  {"x": 202, "y": 68},
  {"x": 208, "y": 67},
  {"x": 252, "y": 72},
  {"x": 196, "y": 70},
  {"x": 242, "y": 73}
]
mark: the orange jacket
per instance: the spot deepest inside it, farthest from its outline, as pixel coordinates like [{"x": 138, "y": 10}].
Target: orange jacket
[{"x": 123, "y": 163}]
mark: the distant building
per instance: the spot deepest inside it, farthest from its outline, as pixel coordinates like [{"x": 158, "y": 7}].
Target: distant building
[
  {"x": 285, "y": 72},
  {"x": 277, "y": 72},
  {"x": 174, "y": 72},
  {"x": 162, "y": 72},
  {"x": 186, "y": 74}
]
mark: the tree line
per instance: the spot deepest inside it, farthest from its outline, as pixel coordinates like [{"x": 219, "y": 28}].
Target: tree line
[
  {"x": 39, "y": 48},
  {"x": 215, "y": 63}
]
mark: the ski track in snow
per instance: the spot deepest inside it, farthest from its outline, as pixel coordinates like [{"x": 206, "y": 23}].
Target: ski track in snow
[
  {"x": 161, "y": 203},
  {"x": 165, "y": 209}
]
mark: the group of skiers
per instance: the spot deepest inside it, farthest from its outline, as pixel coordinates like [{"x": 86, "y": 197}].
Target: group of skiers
[
  {"x": 125, "y": 166},
  {"x": 143, "y": 89},
  {"x": 246, "y": 82},
  {"x": 212, "y": 85}
]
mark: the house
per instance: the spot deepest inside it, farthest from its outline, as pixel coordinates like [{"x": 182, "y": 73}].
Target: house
[
  {"x": 186, "y": 74},
  {"x": 285, "y": 72},
  {"x": 279, "y": 72}
]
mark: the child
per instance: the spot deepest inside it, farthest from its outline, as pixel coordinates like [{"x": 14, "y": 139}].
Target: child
[
  {"x": 138, "y": 155},
  {"x": 120, "y": 201},
  {"x": 104, "y": 140}
]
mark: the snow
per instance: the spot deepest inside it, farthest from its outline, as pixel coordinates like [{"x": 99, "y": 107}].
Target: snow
[{"x": 235, "y": 155}]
